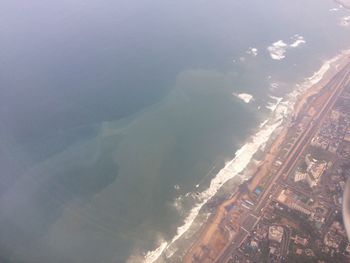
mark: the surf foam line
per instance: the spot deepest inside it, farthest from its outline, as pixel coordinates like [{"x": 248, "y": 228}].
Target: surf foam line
[
  {"x": 318, "y": 75},
  {"x": 273, "y": 106},
  {"x": 278, "y": 49},
  {"x": 244, "y": 156},
  {"x": 244, "y": 97}
]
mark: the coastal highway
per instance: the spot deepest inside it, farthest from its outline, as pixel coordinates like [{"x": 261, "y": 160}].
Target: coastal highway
[{"x": 337, "y": 84}]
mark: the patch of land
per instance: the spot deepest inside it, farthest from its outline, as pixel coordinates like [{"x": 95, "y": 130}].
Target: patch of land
[{"x": 235, "y": 214}]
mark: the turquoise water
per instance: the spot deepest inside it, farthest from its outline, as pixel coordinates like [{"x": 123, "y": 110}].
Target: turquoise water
[{"x": 111, "y": 111}]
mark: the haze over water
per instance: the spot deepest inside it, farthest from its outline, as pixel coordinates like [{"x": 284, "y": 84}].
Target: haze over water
[{"x": 116, "y": 114}]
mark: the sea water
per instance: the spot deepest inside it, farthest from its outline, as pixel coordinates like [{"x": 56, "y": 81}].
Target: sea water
[{"x": 120, "y": 120}]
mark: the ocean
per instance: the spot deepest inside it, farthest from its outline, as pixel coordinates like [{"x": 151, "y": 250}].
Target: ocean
[{"x": 124, "y": 122}]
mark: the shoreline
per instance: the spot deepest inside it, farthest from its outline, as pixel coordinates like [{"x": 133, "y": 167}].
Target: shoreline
[
  {"x": 321, "y": 78},
  {"x": 269, "y": 155},
  {"x": 290, "y": 106},
  {"x": 212, "y": 226}
]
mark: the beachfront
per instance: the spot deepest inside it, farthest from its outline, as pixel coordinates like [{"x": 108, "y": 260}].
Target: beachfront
[{"x": 233, "y": 219}]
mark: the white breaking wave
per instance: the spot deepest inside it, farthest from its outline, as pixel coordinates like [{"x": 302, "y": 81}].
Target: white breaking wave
[
  {"x": 243, "y": 156},
  {"x": 263, "y": 123},
  {"x": 274, "y": 86},
  {"x": 244, "y": 96},
  {"x": 178, "y": 203},
  {"x": 272, "y": 106},
  {"x": 298, "y": 40},
  {"x": 318, "y": 75},
  {"x": 278, "y": 49},
  {"x": 252, "y": 51},
  {"x": 155, "y": 254},
  {"x": 345, "y": 21}
]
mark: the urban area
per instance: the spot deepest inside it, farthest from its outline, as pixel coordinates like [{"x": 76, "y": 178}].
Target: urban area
[
  {"x": 292, "y": 209},
  {"x": 302, "y": 219}
]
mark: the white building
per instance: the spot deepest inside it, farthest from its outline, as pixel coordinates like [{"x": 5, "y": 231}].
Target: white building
[
  {"x": 276, "y": 233},
  {"x": 300, "y": 176},
  {"x": 314, "y": 171}
]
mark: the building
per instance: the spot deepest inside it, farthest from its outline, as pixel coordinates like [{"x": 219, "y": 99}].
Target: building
[
  {"x": 334, "y": 236},
  {"x": 300, "y": 241},
  {"x": 299, "y": 251},
  {"x": 276, "y": 233},
  {"x": 286, "y": 198},
  {"x": 300, "y": 208},
  {"x": 300, "y": 176},
  {"x": 335, "y": 115},
  {"x": 332, "y": 240},
  {"x": 314, "y": 171}
]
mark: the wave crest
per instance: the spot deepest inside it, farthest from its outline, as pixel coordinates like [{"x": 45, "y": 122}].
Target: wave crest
[{"x": 283, "y": 108}]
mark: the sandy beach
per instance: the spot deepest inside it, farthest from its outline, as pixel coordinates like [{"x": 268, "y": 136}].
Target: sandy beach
[
  {"x": 214, "y": 237},
  {"x": 330, "y": 68}
]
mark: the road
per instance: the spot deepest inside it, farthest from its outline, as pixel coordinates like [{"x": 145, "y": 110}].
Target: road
[{"x": 337, "y": 85}]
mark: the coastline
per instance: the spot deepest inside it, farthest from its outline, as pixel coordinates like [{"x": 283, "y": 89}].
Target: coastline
[
  {"x": 323, "y": 76},
  {"x": 212, "y": 227},
  {"x": 320, "y": 79},
  {"x": 275, "y": 131}
]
